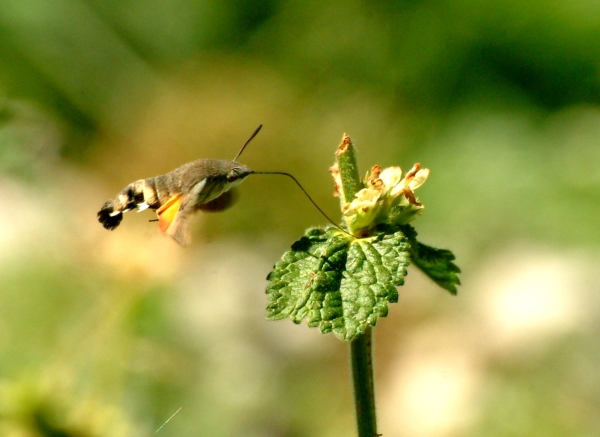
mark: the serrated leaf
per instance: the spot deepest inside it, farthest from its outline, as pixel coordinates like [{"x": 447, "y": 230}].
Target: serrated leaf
[
  {"x": 338, "y": 284},
  {"x": 435, "y": 263}
]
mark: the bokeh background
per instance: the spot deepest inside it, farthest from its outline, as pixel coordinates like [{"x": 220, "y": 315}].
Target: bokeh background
[{"x": 110, "y": 333}]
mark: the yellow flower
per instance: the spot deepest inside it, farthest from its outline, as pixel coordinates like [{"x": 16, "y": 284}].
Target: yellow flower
[
  {"x": 413, "y": 180},
  {"x": 387, "y": 198},
  {"x": 364, "y": 208},
  {"x": 391, "y": 178}
]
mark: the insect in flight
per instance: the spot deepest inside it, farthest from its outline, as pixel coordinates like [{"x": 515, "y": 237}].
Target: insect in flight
[{"x": 203, "y": 184}]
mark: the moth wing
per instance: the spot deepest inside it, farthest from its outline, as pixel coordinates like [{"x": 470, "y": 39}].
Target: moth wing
[
  {"x": 173, "y": 216},
  {"x": 167, "y": 212},
  {"x": 173, "y": 220},
  {"x": 221, "y": 203},
  {"x": 180, "y": 229}
]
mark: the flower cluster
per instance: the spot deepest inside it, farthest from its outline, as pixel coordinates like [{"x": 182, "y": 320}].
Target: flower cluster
[{"x": 386, "y": 198}]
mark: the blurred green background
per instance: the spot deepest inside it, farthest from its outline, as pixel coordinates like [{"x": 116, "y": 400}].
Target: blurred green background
[{"x": 109, "y": 333}]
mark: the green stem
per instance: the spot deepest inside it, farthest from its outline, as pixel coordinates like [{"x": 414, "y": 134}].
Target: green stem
[
  {"x": 364, "y": 391},
  {"x": 360, "y": 349}
]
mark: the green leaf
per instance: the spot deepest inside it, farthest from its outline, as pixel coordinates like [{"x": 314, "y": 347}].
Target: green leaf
[
  {"x": 435, "y": 263},
  {"x": 339, "y": 284}
]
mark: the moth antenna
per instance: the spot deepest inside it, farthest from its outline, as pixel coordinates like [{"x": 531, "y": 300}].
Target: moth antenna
[
  {"x": 247, "y": 141},
  {"x": 307, "y": 195}
]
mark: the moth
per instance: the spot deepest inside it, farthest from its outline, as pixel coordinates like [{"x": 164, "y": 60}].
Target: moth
[{"x": 203, "y": 184}]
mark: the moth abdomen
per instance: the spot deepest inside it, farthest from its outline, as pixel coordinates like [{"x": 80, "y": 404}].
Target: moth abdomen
[
  {"x": 157, "y": 190},
  {"x": 139, "y": 194},
  {"x": 108, "y": 218}
]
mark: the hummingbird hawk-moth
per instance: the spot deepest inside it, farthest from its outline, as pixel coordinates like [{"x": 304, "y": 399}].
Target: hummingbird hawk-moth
[
  {"x": 203, "y": 184},
  {"x": 177, "y": 195}
]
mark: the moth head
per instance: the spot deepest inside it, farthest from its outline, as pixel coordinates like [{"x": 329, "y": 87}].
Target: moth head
[{"x": 238, "y": 172}]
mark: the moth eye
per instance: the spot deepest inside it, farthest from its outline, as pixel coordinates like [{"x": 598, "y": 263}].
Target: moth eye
[
  {"x": 233, "y": 174},
  {"x": 238, "y": 173}
]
